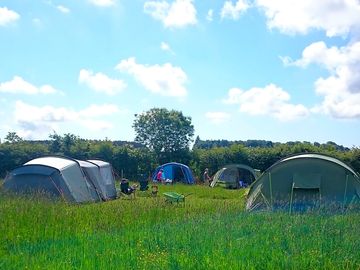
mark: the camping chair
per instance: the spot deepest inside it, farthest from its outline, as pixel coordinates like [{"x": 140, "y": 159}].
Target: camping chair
[
  {"x": 126, "y": 189},
  {"x": 144, "y": 185}
]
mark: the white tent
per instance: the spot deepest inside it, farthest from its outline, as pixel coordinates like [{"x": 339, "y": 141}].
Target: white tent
[
  {"x": 57, "y": 176},
  {"x": 106, "y": 181}
]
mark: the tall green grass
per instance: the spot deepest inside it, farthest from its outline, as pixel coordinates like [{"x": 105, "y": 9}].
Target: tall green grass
[{"x": 211, "y": 231}]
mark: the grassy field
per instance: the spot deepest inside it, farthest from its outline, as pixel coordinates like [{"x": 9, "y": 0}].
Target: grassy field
[{"x": 211, "y": 231}]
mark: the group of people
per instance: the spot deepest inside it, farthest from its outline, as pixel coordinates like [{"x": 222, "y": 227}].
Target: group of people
[{"x": 161, "y": 178}]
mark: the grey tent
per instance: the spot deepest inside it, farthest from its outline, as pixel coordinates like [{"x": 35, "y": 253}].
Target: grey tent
[
  {"x": 234, "y": 176},
  {"x": 106, "y": 182},
  {"x": 92, "y": 173},
  {"x": 56, "y": 176},
  {"x": 305, "y": 181}
]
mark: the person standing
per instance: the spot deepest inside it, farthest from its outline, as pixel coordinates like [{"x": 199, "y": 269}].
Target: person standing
[
  {"x": 206, "y": 177},
  {"x": 160, "y": 176}
]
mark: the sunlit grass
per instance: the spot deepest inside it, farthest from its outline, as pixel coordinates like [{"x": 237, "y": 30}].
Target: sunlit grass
[{"x": 211, "y": 231}]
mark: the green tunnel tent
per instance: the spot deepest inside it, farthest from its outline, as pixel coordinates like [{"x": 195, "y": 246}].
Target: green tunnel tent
[
  {"x": 106, "y": 180},
  {"x": 305, "y": 181},
  {"x": 230, "y": 176},
  {"x": 53, "y": 175}
]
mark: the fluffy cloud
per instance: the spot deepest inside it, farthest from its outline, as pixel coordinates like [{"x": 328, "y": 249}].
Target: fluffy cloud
[
  {"x": 292, "y": 16},
  {"x": 217, "y": 117},
  {"x": 233, "y": 11},
  {"x": 103, "y": 3},
  {"x": 35, "y": 122},
  {"x": 19, "y": 86},
  {"x": 210, "y": 15},
  {"x": 270, "y": 100},
  {"x": 101, "y": 83},
  {"x": 63, "y": 9},
  {"x": 7, "y": 16},
  {"x": 166, "y": 47},
  {"x": 179, "y": 13},
  {"x": 341, "y": 89},
  {"x": 165, "y": 79}
]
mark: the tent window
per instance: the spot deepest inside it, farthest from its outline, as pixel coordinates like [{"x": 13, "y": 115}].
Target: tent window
[{"x": 307, "y": 181}]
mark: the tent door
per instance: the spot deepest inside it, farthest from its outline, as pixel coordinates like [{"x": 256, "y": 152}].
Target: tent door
[
  {"x": 305, "y": 198},
  {"x": 179, "y": 174},
  {"x": 305, "y": 192}
]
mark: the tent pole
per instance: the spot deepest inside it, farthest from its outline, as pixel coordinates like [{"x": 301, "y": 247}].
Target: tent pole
[
  {"x": 291, "y": 197},
  {"x": 346, "y": 184},
  {"x": 271, "y": 195}
]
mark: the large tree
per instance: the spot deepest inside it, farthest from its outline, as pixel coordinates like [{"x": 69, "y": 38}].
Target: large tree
[{"x": 164, "y": 132}]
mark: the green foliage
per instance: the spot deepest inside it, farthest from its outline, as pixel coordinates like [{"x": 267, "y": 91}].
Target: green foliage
[
  {"x": 13, "y": 155},
  {"x": 12, "y": 137},
  {"x": 135, "y": 162},
  {"x": 166, "y": 133},
  {"x": 211, "y": 231}
]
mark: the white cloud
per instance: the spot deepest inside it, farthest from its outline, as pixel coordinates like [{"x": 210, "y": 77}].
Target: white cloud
[
  {"x": 98, "y": 110},
  {"x": 270, "y": 100},
  {"x": 179, "y": 13},
  {"x": 217, "y": 117},
  {"x": 36, "y": 122},
  {"x": 63, "y": 9},
  {"x": 336, "y": 18},
  {"x": 37, "y": 23},
  {"x": 165, "y": 79},
  {"x": 341, "y": 89},
  {"x": 166, "y": 47},
  {"x": 233, "y": 11},
  {"x": 97, "y": 125},
  {"x": 7, "y": 16},
  {"x": 103, "y": 3},
  {"x": 210, "y": 15},
  {"x": 101, "y": 83},
  {"x": 19, "y": 86}
]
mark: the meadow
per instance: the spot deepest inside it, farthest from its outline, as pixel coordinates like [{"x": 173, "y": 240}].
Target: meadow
[{"x": 211, "y": 231}]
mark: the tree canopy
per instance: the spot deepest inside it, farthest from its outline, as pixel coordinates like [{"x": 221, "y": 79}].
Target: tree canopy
[{"x": 163, "y": 131}]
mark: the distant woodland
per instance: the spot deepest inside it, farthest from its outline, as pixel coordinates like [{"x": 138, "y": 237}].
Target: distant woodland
[{"x": 135, "y": 161}]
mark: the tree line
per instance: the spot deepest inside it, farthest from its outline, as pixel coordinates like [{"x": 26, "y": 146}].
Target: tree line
[
  {"x": 163, "y": 136},
  {"x": 136, "y": 161}
]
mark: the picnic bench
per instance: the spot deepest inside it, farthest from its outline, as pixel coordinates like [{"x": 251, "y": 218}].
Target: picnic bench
[{"x": 174, "y": 197}]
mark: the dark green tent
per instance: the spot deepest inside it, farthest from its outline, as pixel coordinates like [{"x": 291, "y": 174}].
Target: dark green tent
[
  {"x": 305, "y": 181},
  {"x": 234, "y": 176}
]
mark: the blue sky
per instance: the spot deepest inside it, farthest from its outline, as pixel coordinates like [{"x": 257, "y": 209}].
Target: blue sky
[{"x": 281, "y": 70}]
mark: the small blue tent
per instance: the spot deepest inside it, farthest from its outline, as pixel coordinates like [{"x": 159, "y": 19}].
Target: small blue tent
[{"x": 176, "y": 172}]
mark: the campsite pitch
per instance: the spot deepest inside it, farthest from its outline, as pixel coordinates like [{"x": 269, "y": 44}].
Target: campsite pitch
[{"x": 212, "y": 231}]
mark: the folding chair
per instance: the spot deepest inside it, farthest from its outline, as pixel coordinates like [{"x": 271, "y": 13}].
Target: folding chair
[{"x": 126, "y": 189}]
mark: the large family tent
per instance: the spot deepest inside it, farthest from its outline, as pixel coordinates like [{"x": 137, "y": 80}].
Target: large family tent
[
  {"x": 56, "y": 176},
  {"x": 303, "y": 182},
  {"x": 107, "y": 179},
  {"x": 234, "y": 176},
  {"x": 92, "y": 173},
  {"x": 176, "y": 172}
]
